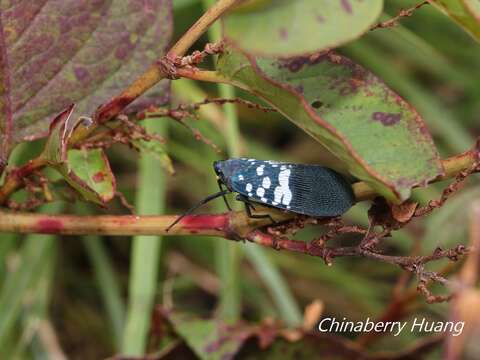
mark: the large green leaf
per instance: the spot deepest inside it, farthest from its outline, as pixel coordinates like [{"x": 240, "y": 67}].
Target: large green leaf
[
  {"x": 464, "y": 12},
  {"x": 287, "y": 28},
  {"x": 379, "y": 136}
]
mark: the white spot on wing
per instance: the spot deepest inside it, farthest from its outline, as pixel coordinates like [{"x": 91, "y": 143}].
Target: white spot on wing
[
  {"x": 260, "y": 170},
  {"x": 266, "y": 182},
  {"x": 282, "y": 193},
  {"x": 250, "y": 194},
  {"x": 264, "y": 199},
  {"x": 249, "y": 187},
  {"x": 260, "y": 192},
  {"x": 240, "y": 177}
]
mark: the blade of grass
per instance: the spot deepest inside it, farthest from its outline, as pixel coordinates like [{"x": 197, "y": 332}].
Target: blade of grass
[
  {"x": 35, "y": 310},
  {"x": 7, "y": 244},
  {"x": 107, "y": 285},
  {"x": 278, "y": 288},
  {"x": 145, "y": 253},
  {"x": 421, "y": 53},
  {"x": 227, "y": 255},
  {"x": 32, "y": 256}
]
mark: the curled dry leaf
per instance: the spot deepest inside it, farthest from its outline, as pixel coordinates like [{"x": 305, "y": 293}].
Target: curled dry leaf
[
  {"x": 313, "y": 313},
  {"x": 404, "y": 212}
]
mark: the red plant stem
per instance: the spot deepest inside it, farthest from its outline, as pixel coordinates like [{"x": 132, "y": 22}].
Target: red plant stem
[
  {"x": 14, "y": 179},
  {"x": 233, "y": 225},
  {"x": 211, "y": 225},
  {"x": 411, "y": 263}
]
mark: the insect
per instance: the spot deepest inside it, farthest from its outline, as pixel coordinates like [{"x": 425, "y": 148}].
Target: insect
[{"x": 310, "y": 190}]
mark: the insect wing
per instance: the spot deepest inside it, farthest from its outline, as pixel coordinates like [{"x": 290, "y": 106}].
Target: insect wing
[
  {"x": 265, "y": 182},
  {"x": 305, "y": 189}
]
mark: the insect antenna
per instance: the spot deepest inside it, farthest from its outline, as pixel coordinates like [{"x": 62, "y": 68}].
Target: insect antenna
[{"x": 196, "y": 206}]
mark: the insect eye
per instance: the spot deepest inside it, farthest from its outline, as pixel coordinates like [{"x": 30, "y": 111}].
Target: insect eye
[{"x": 217, "y": 168}]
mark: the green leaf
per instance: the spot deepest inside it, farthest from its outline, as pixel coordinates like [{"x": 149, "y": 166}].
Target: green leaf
[
  {"x": 86, "y": 170},
  {"x": 212, "y": 339},
  {"x": 287, "y": 28},
  {"x": 381, "y": 138},
  {"x": 209, "y": 339},
  {"x": 466, "y": 13},
  {"x": 157, "y": 150}
]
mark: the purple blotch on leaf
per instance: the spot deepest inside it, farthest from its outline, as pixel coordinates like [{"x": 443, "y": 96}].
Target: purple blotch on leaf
[
  {"x": 346, "y": 6},
  {"x": 81, "y": 73},
  {"x": 283, "y": 33},
  {"x": 385, "y": 118}
]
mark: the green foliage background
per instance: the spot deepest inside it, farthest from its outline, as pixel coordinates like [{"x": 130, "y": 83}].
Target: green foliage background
[{"x": 96, "y": 293}]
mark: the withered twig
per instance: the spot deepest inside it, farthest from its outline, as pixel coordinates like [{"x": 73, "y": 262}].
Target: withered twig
[{"x": 402, "y": 14}]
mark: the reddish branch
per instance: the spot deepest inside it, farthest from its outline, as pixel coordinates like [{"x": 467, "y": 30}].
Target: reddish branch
[
  {"x": 185, "y": 110},
  {"x": 402, "y": 14}
]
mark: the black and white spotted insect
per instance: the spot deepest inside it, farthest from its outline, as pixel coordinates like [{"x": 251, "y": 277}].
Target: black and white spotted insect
[{"x": 310, "y": 190}]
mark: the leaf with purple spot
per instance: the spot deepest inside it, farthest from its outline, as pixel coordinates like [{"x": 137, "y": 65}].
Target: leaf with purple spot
[
  {"x": 55, "y": 52},
  {"x": 379, "y": 137},
  {"x": 288, "y": 28}
]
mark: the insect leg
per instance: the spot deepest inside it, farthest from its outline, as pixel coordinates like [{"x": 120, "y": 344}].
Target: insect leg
[
  {"x": 248, "y": 209},
  {"x": 224, "y": 197}
]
